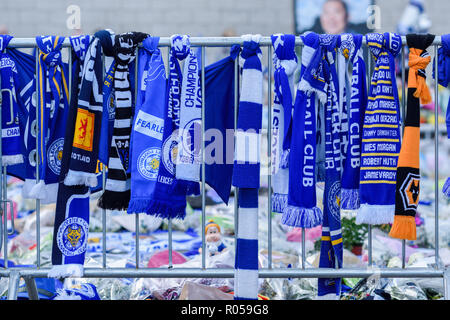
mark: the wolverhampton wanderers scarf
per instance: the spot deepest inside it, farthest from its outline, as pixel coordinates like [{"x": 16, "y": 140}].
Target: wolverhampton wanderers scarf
[
  {"x": 117, "y": 189},
  {"x": 354, "y": 96},
  {"x": 246, "y": 173},
  {"x": 148, "y": 126},
  {"x": 285, "y": 64},
  {"x": 444, "y": 79},
  {"x": 70, "y": 232},
  {"x": 381, "y": 134},
  {"x": 83, "y": 162},
  {"x": 11, "y": 138},
  {"x": 331, "y": 250},
  {"x": 301, "y": 209},
  {"x": 52, "y": 107},
  {"x": 408, "y": 175}
]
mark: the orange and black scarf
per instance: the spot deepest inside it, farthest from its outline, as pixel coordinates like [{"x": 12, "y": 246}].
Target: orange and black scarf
[{"x": 408, "y": 175}]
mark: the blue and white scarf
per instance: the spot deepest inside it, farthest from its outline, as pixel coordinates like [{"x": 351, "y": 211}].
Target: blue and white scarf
[
  {"x": 52, "y": 108},
  {"x": 169, "y": 196},
  {"x": 331, "y": 250},
  {"x": 285, "y": 64},
  {"x": 246, "y": 175},
  {"x": 71, "y": 227},
  {"x": 444, "y": 79},
  {"x": 12, "y": 143},
  {"x": 83, "y": 291},
  {"x": 353, "y": 94},
  {"x": 301, "y": 210},
  {"x": 189, "y": 151},
  {"x": 381, "y": 134},
  {"x": 148, "y": 126}
]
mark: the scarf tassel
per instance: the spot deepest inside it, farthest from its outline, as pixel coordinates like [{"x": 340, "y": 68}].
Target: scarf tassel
[
  {"x": 81, "y": 178},
  {"x": 164, "y": 209},
  {"x": 350, "y": 199},
  {"x": 279, "y": 202},
  {"x": 404, "y": 227},
  {"x": 12, "y": 160},
  {"x": 446, "y": 189},
  {"x": 375, "y": 214},
  {"x": 113, "y": 200},
  {"x": 66, "y": 270},
  {"x": 302, "y": 217}
]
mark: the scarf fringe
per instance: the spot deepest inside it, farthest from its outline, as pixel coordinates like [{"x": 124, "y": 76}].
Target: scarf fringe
[
  {"x": 66, "y": 271},
  {"x": 113, "y": 200},
  {"x": 404, "y": 227},
  {"x": 76, "y": 178},
  {"x": 375, "y": 214},
  {"x": 37, "y": 191},
  {"x": 329, "y": 296},
  {"x": 12, "y": 160},
  {"x": 348, "y": 214},
  {"x": 64, "y": 295},
  {"x": 161, "y": 209},
  {"x": 350, "y": 199},
  {"x": 138, "y": 206},
  {"x": 302, "y": 217},
  {"x": 279, "y": 202},
  {"x": 306, "y": 87},
  {"x": 446, "y": 188},
  {"x": 284, "y": 161}
]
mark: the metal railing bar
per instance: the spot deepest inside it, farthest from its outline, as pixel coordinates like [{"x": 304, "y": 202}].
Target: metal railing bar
[
  {"x": 38, "y": 202},
  {"x": 403, "y": 115},
  {"x": 269, "y": 155},
  {"x": 137, "y": 230},
  {"x": 436, "y": 159},
  {"x": 236, "y": 107},
  {"x": 103, "y": 183},
  {"x": 203, "y": 159}
]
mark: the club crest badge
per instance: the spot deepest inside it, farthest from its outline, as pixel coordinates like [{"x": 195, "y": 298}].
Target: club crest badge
[
  {"x": 148, "y": 163},
  {"x": 72, "y": 236},
  {"x": 54, "y": 155},
  {"x": 191, "y": 141},
  {"x": 170, "y": 153},
  {"x": 409, "y": 191}
]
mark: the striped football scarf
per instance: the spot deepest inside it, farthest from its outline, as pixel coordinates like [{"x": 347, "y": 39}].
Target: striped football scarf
[
  {"x": 353, "y": 100},
  {"x": 246, "y": 169},
  {"x": 331, "y": 249},
  {"x": 285, "y": 64},
  {"x": 301, "y": 209},
  {"x": 381, "y": 134},
  {"x": 408, "y": 174},
  {"x": 189, "y": 151},
  {"x": 117, "y": 190},
  {"x": 53, "y": 100},
  {"x": 444, "y": 79},
  {"x": 71, "y": 227},
  {"x": 11, "y": 137}
]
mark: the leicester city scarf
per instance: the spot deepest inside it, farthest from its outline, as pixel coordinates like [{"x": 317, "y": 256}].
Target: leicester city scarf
[
  {"x": 331, "y": 250},
  {"x": 353, "y": 101},
  {"x": 285, "y": 64},
  {"x": 169, "y": 196},
  {"x": 52, "y": 107},
  {"x": 301, "y": 210},
  {"x": 246, "y": 175},
  {"x": 189, "y": 151},
  {"x": 11, "y": 137},
  {"x": 381, "y": 134},
  {"x": 219, "y": 123},
  {"x": 148, "y": 126},
  {"x": 117, "y": 190},
  {"x": 70, "y": 232},
  {"x": 408, "y": 175},
  {"x": 444, "y": 79},
  {"x": 84, "y": 155}
]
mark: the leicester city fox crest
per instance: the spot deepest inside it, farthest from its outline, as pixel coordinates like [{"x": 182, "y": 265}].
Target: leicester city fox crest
[{"x": 72, "y": 236}]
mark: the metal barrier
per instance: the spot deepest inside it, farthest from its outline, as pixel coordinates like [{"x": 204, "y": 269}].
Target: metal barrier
[{"x": 29, "y": 274}]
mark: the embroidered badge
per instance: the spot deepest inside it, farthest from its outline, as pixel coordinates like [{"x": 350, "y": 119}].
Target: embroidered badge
[
  {"x": 148, "y": 163},
  {"x": 409, "y": 191},
  {"x": 84, "y": 130},
  {"x": 54, "y": 155},
  {"x": 72, "y": 236}
]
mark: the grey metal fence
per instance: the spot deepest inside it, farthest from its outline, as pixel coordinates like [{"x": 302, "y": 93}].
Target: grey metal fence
[{"x": 29, "y": 274}]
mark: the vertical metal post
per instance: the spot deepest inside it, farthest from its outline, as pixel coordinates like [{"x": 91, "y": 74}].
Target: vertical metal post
[
  {"x": 170, "y": 242},
  {"x": 303, "y": 248},
  {"x": 436, "y": 159},
  {"x": 30, "y": 283},
  {"x": 369, "y": 229},
  {"x": 4, "y": 218},
  {"x": 403, "y": 113},
  {"x": 269, "y": 155},
  {"x": 203, "y": 158},
  {"x": 13, "y": 288},
  {"x": 136, "y": 66},
  {"x": 103, "y": 183},
  {"x": 38, "y": 202},
  {"x": 236, "y": 106}
]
